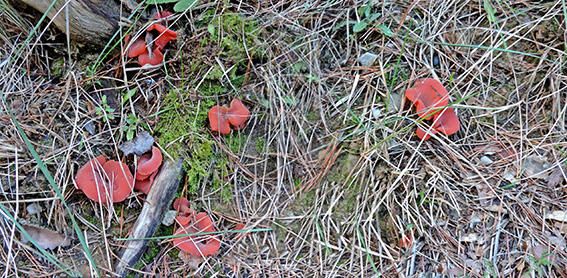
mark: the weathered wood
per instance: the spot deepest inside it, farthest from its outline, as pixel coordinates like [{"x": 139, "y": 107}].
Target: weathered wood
[
  {"x": 90, "y": 21},
  {"x": 157, "y": 202}
]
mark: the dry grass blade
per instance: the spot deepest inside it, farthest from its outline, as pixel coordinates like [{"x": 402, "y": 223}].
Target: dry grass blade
[{"x": 328, "y": 176}]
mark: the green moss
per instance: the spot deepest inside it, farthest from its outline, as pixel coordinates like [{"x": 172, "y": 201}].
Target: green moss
[
  {"x": 260, "y": 144},
  {"x": 57, "y": 67},
  {"x": 182, "y": 131},
  {"x": 182, "y": 127},
  {"x": 236, "y": 142}
]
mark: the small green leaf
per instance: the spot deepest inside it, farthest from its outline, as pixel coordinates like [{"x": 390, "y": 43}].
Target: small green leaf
[
  {"x": 359, "y": 26},
  {"x": 211, "y": 28},
  {"x": 373, "y": 17},
  {"x": 184, "y": 5},
  {"x": 490, "y": 12},
  {"x": 367, "y": 10},
  {"x": 128, "y": 95},
  {"x": 130, "y": 134},
  {"x": 385, "y": 30}
]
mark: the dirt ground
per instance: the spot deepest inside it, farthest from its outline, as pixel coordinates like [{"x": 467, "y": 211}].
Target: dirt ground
[{"x": 328, "y": 177}]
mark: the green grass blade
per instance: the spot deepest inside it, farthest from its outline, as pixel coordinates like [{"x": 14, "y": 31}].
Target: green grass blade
[
  {"x": 53, "y": 184},
  {"x": 40, "y": 250}
]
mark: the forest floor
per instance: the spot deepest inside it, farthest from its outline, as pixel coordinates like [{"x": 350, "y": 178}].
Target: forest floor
[{"x": 328, "y": 177}]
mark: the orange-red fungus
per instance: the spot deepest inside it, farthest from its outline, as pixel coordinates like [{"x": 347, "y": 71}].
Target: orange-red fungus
[
  {"x": 238, "y": 114},
  {"x": 121, "y": 178},
  {"x": 147, "y": 169},
  {"x": 198, "y": 245},
  {"x": 150, "y": 162},
  {"x": 221, "y": 119},
  {"x": 218, "y": 120},
  {"x": 428, "y": 95},
  {"x": 165, "y": 35},
  {"x": 156, "y": 59},
  {"x": 102, "y": 180},
  {"x": 151, "y": 53},
  {"x": 145, "y": 185},
  {"x": 184, "y": 211},
  {"x": 163, "y": 14},
  {"x": 137, "y": 48},
  {"x": 445, "y": 122}
]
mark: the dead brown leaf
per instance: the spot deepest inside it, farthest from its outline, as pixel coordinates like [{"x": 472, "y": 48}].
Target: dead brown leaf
[
  {"x": 45, "y": 238},
  {"x": 557, "y": 176}
]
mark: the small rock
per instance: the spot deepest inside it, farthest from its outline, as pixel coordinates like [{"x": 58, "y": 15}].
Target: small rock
[
  {"x": 535, "y": 166},
  {"x": 485, "y": 160},
  {"x": 509, "y": 176},
  {"x": 367, "y": 59},
  {"x": 139, "y": 145},
  {"x": 475, "y": 219},
  {"x": 169, "y": 217},
  {"x": 557, "y": 215},
  {"x": 34, "y": 208},
  {"x": 90, "y": 128},
  {"x": 376, "y": 113}
]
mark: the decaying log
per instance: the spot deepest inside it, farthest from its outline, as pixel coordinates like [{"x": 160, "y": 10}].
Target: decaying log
[
  {"x": 90, "y": 21},
  {"x": 157, "y": 202}
]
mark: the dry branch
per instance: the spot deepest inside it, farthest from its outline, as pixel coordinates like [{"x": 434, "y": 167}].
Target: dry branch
[{"x": 157, "y": 202}]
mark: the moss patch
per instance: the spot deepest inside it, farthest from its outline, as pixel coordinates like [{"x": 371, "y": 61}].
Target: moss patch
[{"x": 182, "y": 128}]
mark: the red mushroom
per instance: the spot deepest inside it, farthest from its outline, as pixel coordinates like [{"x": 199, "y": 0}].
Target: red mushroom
[
  {"x": 163, "y": 14},
  {"x": 238, "y": 114},
  {"x": 218, "y": 120},
  {"x": 147, "y": 169},
  {"x": 445, "y": 122},
  {"x": 101, "y": 178},
  {"x": 120, "y": 178},
  {"x": 145, "y": 185},
  {"x": 156, "y": 59},
  {"x": 137, "y": 48},
  {"x": 165, "y": 35},
  {"x": 184, "y": 211},
  {"x": 221, "y": 119},
  {"x": 198, "y": 245},
  {"x": 428, "y": 95},
  {"x": 149, "y": 163},
  {"x": 90, "y": 177}
]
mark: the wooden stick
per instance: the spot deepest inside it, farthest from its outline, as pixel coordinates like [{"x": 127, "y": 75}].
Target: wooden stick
[{"x": 157, "y": 202}]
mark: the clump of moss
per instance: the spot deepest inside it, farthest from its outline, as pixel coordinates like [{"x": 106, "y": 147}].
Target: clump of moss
[{"x": 182, "y": 126}]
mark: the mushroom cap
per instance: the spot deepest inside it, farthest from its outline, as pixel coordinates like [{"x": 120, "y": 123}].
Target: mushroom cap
[
  {"x": 218, "y": 120},
  {"x": 120, "y": 178},
  {"x": 145, "y": 185},
  {"x": 165, "y": 35},
  {"x": 162, "y": 14},
  {"x": 184, "y": 211},
  {"x": 149, "y": 163},
  {"x": 100, "y": 178},
  {"x": 181, "y": 204},
  {"x": 446, "y": 122},
  {"x": 424, "y": 134},
  {"x": 137, "y": 48},
  {"x": 202, "y": 245},
  {"x": 90, "y": 177},
  {"x": 428, "y": 95},
  {"x": 238, "y": 114},
  {"x": 156, "y": 59}
]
